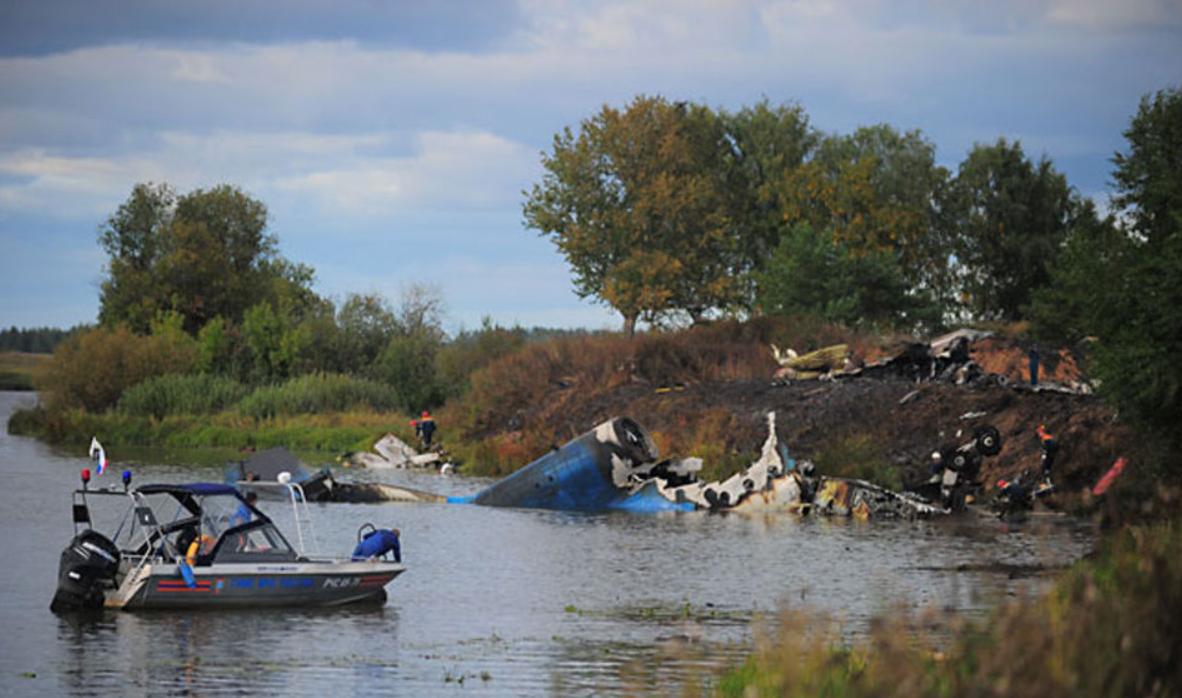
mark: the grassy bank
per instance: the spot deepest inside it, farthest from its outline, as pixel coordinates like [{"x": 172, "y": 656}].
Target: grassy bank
[
  {"x": 1110, "y": 627},
  {"x": 18, "y": 369},
  {"x": 335, "y": 433}
]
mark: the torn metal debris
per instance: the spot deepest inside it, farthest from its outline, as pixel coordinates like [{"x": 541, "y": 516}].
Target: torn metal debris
[
  {"x": 616, "y": 466},
  {"x": 392, "y": 452},
  {"x": 947, "y": 358}
]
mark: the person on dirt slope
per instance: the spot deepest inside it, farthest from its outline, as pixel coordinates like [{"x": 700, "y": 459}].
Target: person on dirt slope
[{"x": 1050, "y": 448}]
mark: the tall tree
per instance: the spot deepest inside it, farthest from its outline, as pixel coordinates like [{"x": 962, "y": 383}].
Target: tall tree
[
  {"x": 1011, "y": 218},
  {"x": 133, "y": 238},
  {"x": 768, "y": 144},
  {"x": 876, "y": 191},
  {"x": 204, "y": 254},
  {"x": 1139, "y": 356},
  {"x": 640, "y": 187}
]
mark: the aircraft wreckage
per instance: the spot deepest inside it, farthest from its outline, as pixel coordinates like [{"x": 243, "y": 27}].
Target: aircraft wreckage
[{"x": 616, "y": 466}]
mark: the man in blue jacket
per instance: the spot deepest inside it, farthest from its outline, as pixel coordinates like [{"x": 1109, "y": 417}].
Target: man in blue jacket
[{"x": 378, "y": 543}]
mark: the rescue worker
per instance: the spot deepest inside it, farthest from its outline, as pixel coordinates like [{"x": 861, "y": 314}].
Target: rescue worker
[
  {"x": 937, "y": 465},
  {"x": 379, "y": 542},
  {"x": 1012, "y": 496},
  {"x": 1050, "y": 448},
  {"x": 425, "y": 429}
]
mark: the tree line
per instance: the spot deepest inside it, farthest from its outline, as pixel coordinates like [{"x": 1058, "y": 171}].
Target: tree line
[
  {"x": 668, "y": 210},
  {"x": 34, "y": 340},
  {"x": 671, "y": 210}
]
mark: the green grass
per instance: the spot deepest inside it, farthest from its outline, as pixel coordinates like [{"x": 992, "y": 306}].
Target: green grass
[{"x": 333, "y": 433}]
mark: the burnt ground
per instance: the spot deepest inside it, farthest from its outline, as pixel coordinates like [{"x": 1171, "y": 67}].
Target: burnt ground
[
  {"x": 714, "y": 405},
  {"x": 813, "y": 415}
]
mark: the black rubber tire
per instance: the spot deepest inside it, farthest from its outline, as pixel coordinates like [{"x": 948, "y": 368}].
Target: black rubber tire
[{"x": 988, "y": 440}]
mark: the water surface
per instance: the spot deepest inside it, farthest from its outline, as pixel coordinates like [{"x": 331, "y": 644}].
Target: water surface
[{"x": 495, "y": 601}]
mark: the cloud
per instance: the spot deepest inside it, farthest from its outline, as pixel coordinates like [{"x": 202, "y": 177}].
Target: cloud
[
  {"x": 453, "y": 170},
  {"x": 344, "y": 176},
  {"x": 1104, "y": 15}
]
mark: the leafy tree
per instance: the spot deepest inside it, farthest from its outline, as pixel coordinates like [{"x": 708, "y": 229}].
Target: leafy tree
[
  {"x": 767, "y": 145},
  {"x": 876, "y": 192},
  {"x": 635, "y": 187},
  {"x": 133, "y": 237},
  {"x": 276, "y": 343},
  {"x": 215, "y": 347},
  {"x": 1011, "y": 218},
  {"x": 1149, "y": 177},
  {"x": 408, "y": 365},
  {"x": 810, "y": 274},
  {"x": 1138, "y": 299},
  {"x": 1066, "y": 309},
  {"x": 365, "y": 323},
  {"x": 205, "y": 254}
]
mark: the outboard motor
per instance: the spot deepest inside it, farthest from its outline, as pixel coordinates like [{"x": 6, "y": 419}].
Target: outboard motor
[{"x": 87, "y": 569}]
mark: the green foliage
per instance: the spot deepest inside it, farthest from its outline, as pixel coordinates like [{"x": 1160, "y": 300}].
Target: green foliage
[
  {"x": 1148, "y": 177},
  {"x": 1119, "y": 283},
  {"x": 811, "y": 274},
  {"x": 876, "y": 191},
  {"x": 204, "y": 254},
  {"x": 333, "y": 433},
  {"x": 637, "y": 203},
  {"x": 1010, "y": 219},
  {"x": 366, "y": 324},
  {"x": 275, "y": 342},
  {"x": 408, "y": 365},
  {"x": 318, "y": 393},
  {"x": 91, "y": 370},
  {"x": 215, "y": 347},
  {"x": 176, "y": 394}
]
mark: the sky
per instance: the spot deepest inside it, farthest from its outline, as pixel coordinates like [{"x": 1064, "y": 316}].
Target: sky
[{"x": 392, "y": 141}]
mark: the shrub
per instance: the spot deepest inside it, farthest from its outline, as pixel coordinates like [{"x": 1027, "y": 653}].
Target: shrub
[
  {"x": 318, "y": 393},
  {"x": 176, "y": 394},
  {"x": 91, "y": 370}
]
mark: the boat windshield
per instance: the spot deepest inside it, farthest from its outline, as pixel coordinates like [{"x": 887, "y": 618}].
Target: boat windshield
[{"x": 257, "y": 541}]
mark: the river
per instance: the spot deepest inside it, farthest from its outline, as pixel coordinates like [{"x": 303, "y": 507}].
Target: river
[{"x": 495, "y": 601}]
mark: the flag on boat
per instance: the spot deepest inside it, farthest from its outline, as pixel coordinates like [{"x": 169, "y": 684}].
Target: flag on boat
[{"x": 99, "y": 455}]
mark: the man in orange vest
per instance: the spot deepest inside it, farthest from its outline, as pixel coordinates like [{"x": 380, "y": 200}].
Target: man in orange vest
[
  {"x": 1050, "y": 448},
  {"x": 425, "y": 429}
]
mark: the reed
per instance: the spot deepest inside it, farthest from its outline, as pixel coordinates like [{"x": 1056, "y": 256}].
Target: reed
[
  {"x": 181, "y": 394},
  {"x": 318, "y": 393}
]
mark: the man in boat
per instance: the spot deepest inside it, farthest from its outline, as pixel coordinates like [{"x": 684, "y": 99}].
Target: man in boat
[
  {"x": 377, "y": 543},
  {"x": 243, "y": 514},
  {"x": 425, "y": 429}
]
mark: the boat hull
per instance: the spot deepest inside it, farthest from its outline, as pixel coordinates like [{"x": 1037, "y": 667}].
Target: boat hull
[{"x": 306, "y": 584}]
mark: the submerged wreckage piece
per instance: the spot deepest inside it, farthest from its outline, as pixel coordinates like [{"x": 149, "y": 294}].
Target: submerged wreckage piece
[
  {"x": 615, "y": 467},
  {"x": 605, "y": 468},
  {"x": 863, "y": 500},
  {"x": 391, "y": 452}
]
